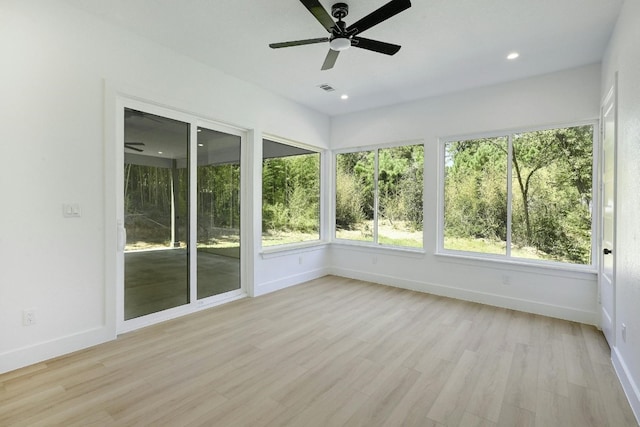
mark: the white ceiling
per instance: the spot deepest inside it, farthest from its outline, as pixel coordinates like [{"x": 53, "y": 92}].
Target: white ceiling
[{"x": 447, "y": 45}]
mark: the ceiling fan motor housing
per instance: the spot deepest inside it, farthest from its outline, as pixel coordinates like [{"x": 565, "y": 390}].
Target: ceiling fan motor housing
[
  {"x": 340, "y": 40},
  {"x": 339, "y": 10}
]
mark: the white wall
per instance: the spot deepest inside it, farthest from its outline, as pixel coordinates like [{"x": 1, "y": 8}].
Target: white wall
[
  {"x": 56, "y": 62},
  {"x": 563, "y": 97},
  {"x": 623, "y": 56}
]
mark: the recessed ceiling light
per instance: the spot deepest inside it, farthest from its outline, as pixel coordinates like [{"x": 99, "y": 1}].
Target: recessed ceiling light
[
  {"x": 200, "y": 144},
  {"x": 513, "y": 55},
  {"x": 159, "y": 152},
  {"x": 344, "y": 96}
]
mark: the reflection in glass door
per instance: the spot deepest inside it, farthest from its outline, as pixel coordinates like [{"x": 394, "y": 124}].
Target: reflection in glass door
[
  {"x": 181, "y": 197},
  {"x": 156, "y": 166},
  {"x": 218, "y": 207}
]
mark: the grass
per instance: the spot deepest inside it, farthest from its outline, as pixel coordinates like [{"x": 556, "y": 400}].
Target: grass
[
  {"x": 475, "y": 245},
  {"x": 227, "y": 241},
  {"x": 391, "y": 234},
  {"x": 273, "y": 238},
  {"x": 487, "y": 246}
]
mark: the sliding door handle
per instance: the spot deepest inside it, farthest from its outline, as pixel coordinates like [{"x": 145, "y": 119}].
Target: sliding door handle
[{"x": 607, "y": 251}]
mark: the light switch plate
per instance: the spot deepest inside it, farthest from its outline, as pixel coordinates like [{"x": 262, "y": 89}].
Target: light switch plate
[{"x": 71, "y": 210}]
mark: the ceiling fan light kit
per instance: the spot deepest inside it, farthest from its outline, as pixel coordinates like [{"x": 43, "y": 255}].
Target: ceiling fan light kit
[
  {"x": 342, "y": 37},
  {"x": 340, "y": 43}
]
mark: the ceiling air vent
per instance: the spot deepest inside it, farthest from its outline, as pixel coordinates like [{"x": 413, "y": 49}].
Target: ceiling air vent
[{"x": 326, "y": 87}]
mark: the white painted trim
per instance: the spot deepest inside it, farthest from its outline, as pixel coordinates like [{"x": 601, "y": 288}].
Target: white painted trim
[
  {"x": 59, "y": 346},
  {"x": 516, "y": 264},
  {"x": 509, "y": 197},
  {"x": 612, "y": 96},
  {"x": 527, "y": 306},
  {"x": 292, "y": 248},
  {"x": 288, "y": 281},
  {"x": 629, "y": 386},
  {"x": 358, "y": 246},
  {"x": 247, "y": 210},
  {"x": 183, "y": 310}
]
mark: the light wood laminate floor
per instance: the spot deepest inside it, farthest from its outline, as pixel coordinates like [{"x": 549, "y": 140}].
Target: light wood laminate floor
[{"x": 331, "y": 352}]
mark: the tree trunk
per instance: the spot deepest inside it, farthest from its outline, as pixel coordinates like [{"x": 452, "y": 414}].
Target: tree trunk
[{"x": 524, "y": 190}]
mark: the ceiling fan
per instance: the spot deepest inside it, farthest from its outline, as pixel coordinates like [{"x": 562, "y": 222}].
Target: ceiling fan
[{"x": 342, "y": 36}]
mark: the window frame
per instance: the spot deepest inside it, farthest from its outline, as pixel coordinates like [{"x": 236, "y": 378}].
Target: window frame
[
  {"x": 275, "y": 250},
  {"x": 508, "y": 258},
  {"x": 374, "y": 243}
]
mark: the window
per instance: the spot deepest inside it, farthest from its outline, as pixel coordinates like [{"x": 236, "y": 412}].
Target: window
[
  {"x": 523, "y": 195},
  {"x": 290, "y": 194},
  {"x": 379, "y": 196}
]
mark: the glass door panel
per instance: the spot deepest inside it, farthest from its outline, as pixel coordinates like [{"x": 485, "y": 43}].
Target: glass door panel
[
  {"x": 156, "y": 213},
  {"x": 218, "y": 213}
]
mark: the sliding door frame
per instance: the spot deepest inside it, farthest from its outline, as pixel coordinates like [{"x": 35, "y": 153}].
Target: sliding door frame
[{"x": 114, "y": 161}]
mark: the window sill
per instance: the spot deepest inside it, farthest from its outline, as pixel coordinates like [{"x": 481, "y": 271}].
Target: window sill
[
  {"x": 545, "y": 268},
  {"x": 371, "y": 247},
  {"x": 292, "y": 248}
]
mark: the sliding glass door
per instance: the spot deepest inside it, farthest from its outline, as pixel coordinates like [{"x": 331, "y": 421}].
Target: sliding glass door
[
  {"x": 218, "y": 208},
  {"x": 156, "y": 179},
  {"x": 181, "y": 197}
]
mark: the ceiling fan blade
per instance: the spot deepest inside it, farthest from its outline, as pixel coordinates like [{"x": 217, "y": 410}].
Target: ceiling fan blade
[
  {"x": 134, "y": 149},
  {"x": 298, "y": 42},
  {"x": 375, "y": 45},
  {"x": 320, "y": 13},
  {"x": 330, "y": 60},
  {"x": 379, "y": 15}
]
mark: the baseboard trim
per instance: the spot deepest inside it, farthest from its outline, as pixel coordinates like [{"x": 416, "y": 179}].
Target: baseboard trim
[
  {"x": 630, "y": 388},
  {"x": 41, "y": 352},
  {"x": 285, "y": 282},
  {"x": 535, "y": 307}
]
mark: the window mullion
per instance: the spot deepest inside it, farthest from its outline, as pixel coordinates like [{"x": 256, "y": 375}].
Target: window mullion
[
  {"x": 376, "y": 202},
  {"x": 509, "y": 192}
]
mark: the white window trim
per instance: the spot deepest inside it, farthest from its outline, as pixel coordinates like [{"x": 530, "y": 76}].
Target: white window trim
[
  {"x": 374, "y": 243},
  {"x": 275, "y": 250},
  {"x": 508, "y": 259}
]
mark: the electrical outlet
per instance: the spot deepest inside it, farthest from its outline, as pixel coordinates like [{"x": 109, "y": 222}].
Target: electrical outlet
[
  {"x": 506, "y": 280},
  {"x": 29, "y": 317},
  {"x": 624, "y": 332},
  {"x": 374, "y": 260},
  {"x": 300, "y": 260}
]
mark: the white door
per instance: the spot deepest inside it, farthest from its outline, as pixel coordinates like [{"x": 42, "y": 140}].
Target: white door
[{"x": 608, "y": 253}]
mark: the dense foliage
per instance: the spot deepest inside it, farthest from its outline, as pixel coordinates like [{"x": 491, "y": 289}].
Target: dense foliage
[
  {"x": 148, "y": 199},
  {"x": 218, "y": 204},
  {"x": 551, "y": 183},
  {"x": 399, "y": 192},
  {"x": 291, "y": 194}
]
